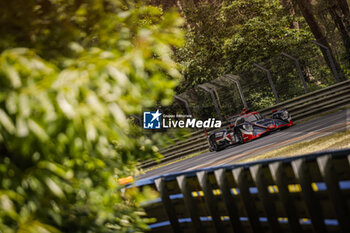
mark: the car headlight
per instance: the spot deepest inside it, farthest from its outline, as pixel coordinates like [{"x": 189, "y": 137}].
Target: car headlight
[
  {"x": 285, "y": 116},
  {"x": 248, "y": 127}
]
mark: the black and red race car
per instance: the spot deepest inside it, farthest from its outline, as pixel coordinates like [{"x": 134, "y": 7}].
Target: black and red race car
[{"x": 248, "y": 126}]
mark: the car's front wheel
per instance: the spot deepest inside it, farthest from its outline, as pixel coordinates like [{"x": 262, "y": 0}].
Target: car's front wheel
[{"x": 213, "y": 147}]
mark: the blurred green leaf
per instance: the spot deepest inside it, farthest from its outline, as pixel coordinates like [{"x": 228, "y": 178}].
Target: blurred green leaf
[{"x": 71, "y": 75}]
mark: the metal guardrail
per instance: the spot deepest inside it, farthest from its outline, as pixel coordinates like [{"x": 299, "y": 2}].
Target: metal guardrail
[
  {"x": 300, "y": 107},
  {"x": 309, "y": 193}
]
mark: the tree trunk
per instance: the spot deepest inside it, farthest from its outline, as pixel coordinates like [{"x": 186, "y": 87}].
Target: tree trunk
[
  {"x": 305, "y": 8},
  {"x": 339, "y": 11},
  {"x": 183, "y": 14},
  {"x": 343, "y": 4},
  {"x": 309, "y": 77},
  {"x": 289, "y": 9}
]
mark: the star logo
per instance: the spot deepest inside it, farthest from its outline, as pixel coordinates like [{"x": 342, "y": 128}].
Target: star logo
[
  {"x": 156, "y": 115},
  {"x": 151, "y": 120}
]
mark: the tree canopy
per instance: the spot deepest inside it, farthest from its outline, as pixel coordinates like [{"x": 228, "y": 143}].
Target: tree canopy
[{"x": 228, "y": 37}]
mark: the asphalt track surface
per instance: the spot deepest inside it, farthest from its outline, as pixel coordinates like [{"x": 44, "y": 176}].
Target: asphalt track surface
[{"x": 319, "y": 127}]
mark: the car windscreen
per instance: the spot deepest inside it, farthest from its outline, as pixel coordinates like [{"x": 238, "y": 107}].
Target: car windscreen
[
  {"x": 253, "y": 117},
  {"x": 219, "y": 134}
]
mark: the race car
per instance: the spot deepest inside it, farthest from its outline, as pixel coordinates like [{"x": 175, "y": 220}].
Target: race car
[{"x": 248, "y": 126}]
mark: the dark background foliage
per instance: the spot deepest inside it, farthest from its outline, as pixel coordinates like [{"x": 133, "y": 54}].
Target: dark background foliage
[{"x": 228, "y": 37}]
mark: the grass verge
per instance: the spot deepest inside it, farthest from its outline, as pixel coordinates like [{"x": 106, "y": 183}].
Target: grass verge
[
  {"x": 323, "y": 114},
  {"x": 339, "y": 140}
]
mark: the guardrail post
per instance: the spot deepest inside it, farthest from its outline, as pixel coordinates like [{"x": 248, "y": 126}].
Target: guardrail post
[
  {"x": 215, "y": 91},
  {"x": 328, "y": 172},
  {"x": 331, "y": 60},
  {"x": 313, "y": 207},
  {"x": 232, "y": 78},
  {"x": 270, "y": 81},
  {"x": 185, "y": 102},
  {"x": 259, "y": 179},
  {"x": 210, "y": 201},
  {"x": 299, "y": 70},
  {"x": 190, "y": 205},
  {"x": 278, "y": 172},
  {"x": 241, "y": 179},
  {"x": 213, "y": 99},
  {"x": 169, "y": 208},
  {"x": 230, "y": 204}
]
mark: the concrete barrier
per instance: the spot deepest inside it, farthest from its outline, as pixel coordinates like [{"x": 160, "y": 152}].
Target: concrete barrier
[{"x": 308, "y": 193}]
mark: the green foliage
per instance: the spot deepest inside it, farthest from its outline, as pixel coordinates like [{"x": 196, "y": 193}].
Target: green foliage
[
  {"x": 262, "y": 30},
  {"x": 236, "y": 34},
  {"x": 228, "y": 37},
  {"x": 65, "y": 97},
  {"x": 202, "y": 57}
]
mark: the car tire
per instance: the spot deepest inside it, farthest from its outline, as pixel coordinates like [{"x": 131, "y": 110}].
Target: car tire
[{"x": 213, "y": 147}]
